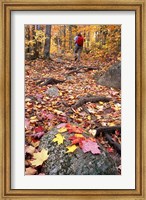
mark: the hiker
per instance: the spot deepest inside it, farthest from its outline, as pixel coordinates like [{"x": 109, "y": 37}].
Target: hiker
[{"x": 79, "y": 40}]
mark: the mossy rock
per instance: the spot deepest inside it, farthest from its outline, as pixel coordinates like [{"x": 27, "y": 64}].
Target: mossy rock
[{"x": 76, "y": 163}]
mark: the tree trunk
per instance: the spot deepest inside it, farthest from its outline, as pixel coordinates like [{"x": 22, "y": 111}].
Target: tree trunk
[
  {"x": 64, "y": 33},
  {"x": 47, "y": 42},
  {"x": 88, "y": 40},
  {"x": 70, "y": 37},
  {"x": 38, "y": 27},
  {"x": 96, "y": 36},
  {"x": 27, "y": 37}
]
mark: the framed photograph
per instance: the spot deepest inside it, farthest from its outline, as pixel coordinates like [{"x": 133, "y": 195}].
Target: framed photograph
[{"x": 72, "y": 99}]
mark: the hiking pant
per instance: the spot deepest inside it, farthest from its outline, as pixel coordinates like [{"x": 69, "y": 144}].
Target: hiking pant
[{"x": 77, "y": 51}]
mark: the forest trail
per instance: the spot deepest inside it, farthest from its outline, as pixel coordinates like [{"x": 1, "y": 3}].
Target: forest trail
[{"x": 48, "y": 105}]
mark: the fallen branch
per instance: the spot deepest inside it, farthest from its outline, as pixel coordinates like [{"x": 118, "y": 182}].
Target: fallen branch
[
  {"x": 104, "y": 130},
  {"x": 92, "y": 99}
]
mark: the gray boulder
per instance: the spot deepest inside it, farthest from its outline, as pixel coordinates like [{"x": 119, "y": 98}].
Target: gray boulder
[
  {"x": 76, "y": 163},
  {"x": 112, "y": 77},
  {"x": 52, "y": 92}
]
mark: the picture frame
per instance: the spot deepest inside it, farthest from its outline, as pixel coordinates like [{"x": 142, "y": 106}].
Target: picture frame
[{"x": 5, "y": 98}]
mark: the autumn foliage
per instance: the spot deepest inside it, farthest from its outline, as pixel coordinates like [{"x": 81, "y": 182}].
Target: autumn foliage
[{"x": 43, "y": 112}]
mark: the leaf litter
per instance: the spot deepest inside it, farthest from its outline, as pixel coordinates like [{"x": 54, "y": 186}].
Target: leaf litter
[{"x": 42, "y": 113}]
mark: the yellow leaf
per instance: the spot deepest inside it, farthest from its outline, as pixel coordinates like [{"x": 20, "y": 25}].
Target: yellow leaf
[
  {"x": 79, "y": 136},
  {"x": 27, "y": 100},
  {"x": 53, "y": 103},
  {"x": 33, "y": 120},
  {"x": 50, "y": 108},
  {"x": 98, "y": 116},
  {"x": 92, "y": 132},
  {"x": 117, "y": 107},
  {"x": 111, "y": 124},
  {"x": 72, "y": 116},
  {"x": 71, "y": 97},
  {"x": 34, "y": 117},
  {"x": 40, "y": 157},
  {"x": 62, "y": 130},
  {"x": 58, "y": 112},
  {"x": 39, "y": 106},
  {"x": 71, "y": 148},
  {"x": 35, "y": 144},
  {"x": 89, "y": 117},
  {"x": 59, "y": 139},
  {"x": 100, "y": 102}
]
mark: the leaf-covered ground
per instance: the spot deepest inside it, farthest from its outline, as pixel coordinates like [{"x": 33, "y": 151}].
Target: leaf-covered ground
[{"x": 43, "y": 111}]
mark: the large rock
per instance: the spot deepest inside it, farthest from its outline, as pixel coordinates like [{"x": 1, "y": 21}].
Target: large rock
[
  {"x": 76, "y": 163},
  {"x": 52, "y": 92},
  {"x": 112, "y": 77}
]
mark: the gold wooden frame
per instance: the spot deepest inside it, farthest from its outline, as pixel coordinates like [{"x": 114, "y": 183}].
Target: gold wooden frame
[{"x": 139, "y": 6}]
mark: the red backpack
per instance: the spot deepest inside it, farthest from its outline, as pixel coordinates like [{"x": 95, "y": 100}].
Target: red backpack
[{"x": 80, "y": 41}]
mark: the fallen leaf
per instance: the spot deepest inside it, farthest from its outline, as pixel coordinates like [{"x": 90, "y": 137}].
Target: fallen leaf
[
  {"x": 41, "y": 174},
  {"x": 110, "y": 150},
  {"x": 27, "y": 99},
  {"x": 35, "y": 144},
  {"x": 33, "y": 120},
  {"x": 30, "y": 150},
  {"x": 39, "y": 129},
  {"x": 79, "y": 136},
  {"x": 111, "y": 124},
  {"x": 71, "y": 148},
  {"x": 33, "y": 117},
  {"x": 90, "y": 146},
  {"x": 91, "y": 110},
  {"x": 40, "y": 157},
  {"x": 50, "y": 116},
  {"x": 59, "y": 139},
  {"x": 58, "y": 112},
  {"x": 62, "y": 130},
  {"x": 74, "y": 129},
  {"x": 100, "y": 102},
  {"x": 38, "y": 135},
  {"x": 30, "y": 171},
  {"x": 92, "y": 132},
  {"x": 27, "y": 123},
  {"x": 61, "y": 125}
]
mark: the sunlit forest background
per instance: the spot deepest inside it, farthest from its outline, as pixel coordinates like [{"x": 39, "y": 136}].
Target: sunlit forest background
[{"x": 102, "y": 41}]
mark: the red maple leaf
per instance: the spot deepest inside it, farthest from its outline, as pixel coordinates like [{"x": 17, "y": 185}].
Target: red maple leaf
[
  {"x": 74, "y": 129},
  {"x": 77, "y": 140},
  {"x": 39, "y": 129}
]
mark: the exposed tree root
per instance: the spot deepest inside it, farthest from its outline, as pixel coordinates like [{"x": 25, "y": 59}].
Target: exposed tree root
[
  {"x": 51, "y": 81},
  {"x": 92, "y": 99},
  {"x": 74, "y": 69},
  {"x": 116, "y": 145},
  {"x": 108, "y": 130}
]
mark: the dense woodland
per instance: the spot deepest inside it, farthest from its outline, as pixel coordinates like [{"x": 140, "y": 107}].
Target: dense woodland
[
  {"x": 72, "y": 108},
  {"x": 100, "y": 40}
]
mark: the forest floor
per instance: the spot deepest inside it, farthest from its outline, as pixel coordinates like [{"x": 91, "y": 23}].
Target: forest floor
[{"x": 45, "y": 110}]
